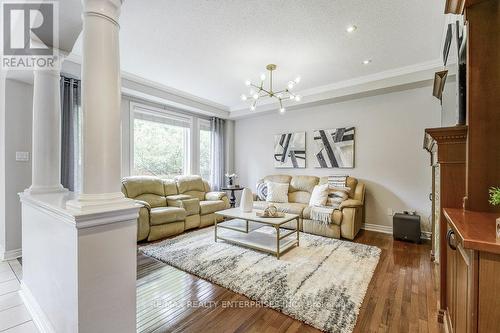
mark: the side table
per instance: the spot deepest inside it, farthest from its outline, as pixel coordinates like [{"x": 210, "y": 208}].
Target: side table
[{"x": 232, "y": 197}]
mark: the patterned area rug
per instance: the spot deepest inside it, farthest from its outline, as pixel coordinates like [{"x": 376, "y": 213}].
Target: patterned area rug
[{"x": 322, "y": 282}]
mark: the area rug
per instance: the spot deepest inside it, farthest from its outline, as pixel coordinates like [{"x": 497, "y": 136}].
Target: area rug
[{"x": 322, "y": 282}]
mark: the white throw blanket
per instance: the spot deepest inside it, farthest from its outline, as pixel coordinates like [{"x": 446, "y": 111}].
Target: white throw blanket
[{"x": 322, "y": 214}]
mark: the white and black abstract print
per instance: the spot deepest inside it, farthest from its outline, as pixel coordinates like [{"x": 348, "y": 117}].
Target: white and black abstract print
[
  {"x": 334, "y": 148},
  {"x": 290, "y": 150}
]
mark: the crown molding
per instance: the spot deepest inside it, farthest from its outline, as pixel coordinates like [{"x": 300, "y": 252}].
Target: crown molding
[
  {"x": 398, "y": 79},
  {"x": 404, "y": 78},
  {"x": 140, "y": 87}
]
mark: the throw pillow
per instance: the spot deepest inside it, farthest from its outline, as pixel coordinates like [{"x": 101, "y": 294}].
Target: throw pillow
[
  {"x": 277, "y": 192},
  {"x": 336, "y": 195},
  {"x": 319, "y": 195},
  {"x": 262, "y": 191},
  {"x": 337, "y": 181}
]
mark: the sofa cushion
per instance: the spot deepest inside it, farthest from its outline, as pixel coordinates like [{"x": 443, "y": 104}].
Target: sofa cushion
[
  {"x": 277, "y": 192},
  {"x": 189, "y": 183},
  {"x": 289, "y": 207},
  {"x": 301, "y": 188},
  {"x": 214, "y": 196},
  {"x": 336, "y": 217},
  {"x": 207, "y": 207},
  {"x": 190, "y": 204},
  {"x": 170, "y": 187},
  {"x": 206, "y": 186},
  {"x": 162, "y": 215},
  {"x": 137, "y": 185},
  {"x": 277, "y": 179},
  {"x": 153, "y": 200},
  {"x": 303, "y": 183}
]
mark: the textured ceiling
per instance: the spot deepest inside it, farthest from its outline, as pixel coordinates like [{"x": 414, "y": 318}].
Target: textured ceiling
[{"x": 209, "y": 47}]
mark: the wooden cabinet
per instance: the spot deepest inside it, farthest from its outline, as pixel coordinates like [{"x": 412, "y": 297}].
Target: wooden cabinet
[
  {"x": 489, "y": 293},
  {"x": 469, "y": 160},
  {"x": 447, "y": 148},
  {"x": 463, "y": 285},
  {"x": 472, "y": 273},
  {"x": 460, "y": 292}
]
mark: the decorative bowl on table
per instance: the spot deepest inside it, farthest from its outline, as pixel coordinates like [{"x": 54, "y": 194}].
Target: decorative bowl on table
[{"x": 270, "y": 211}]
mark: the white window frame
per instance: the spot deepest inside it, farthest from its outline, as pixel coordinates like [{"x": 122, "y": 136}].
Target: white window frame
[
  {"x": 203, "y": 123},
  {"x": 158, "y": 112}
]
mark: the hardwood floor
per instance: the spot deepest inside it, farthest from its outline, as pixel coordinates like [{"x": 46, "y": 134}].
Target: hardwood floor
[{"x": 402, "y": 297}]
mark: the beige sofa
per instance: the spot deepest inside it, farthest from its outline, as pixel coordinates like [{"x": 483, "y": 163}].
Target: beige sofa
[
  {"x": 346, "y": 221},
  {"x": 171, "y": 206}
]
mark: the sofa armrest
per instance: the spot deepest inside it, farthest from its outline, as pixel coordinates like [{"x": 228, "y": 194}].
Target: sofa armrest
[
  {"x": 144, "y": 204},
  {"x": 350, "y": 203},
  {"x": 213, "y": 196}
]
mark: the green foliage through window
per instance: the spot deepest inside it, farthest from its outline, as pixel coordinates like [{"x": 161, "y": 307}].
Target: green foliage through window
[
  {"x": 205, "y": 156},
  {"x": 159, "y": 149}
]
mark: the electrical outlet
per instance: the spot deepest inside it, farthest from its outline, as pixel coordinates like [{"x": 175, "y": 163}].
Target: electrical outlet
[{"x": 390, "y": 212}]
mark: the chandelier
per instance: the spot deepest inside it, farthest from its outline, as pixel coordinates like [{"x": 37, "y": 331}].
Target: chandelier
[{"x": 259, "y": 91}]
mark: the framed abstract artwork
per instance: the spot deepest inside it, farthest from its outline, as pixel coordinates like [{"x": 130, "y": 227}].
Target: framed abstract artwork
[
  {"x": 334, "y": 148},
  {"x": 290, "y": 150}
]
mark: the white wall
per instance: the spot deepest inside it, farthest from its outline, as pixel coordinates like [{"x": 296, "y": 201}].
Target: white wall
[
  {"x": 18, "y": 120},
  {"x": 389, "y": 156}
]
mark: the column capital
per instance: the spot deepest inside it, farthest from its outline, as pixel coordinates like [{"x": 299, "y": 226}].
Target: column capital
[{"x": 109, "y": 9}]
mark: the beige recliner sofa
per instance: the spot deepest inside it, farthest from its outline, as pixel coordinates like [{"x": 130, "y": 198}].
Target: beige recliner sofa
[
  {"x": 171, "y": 206},
  {"x": 346, "y": 221}
]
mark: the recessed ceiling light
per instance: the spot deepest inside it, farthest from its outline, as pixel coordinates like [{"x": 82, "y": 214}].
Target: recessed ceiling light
[
  {"x": 367, "y": 61},
  {"x": 351, "y": 28}
]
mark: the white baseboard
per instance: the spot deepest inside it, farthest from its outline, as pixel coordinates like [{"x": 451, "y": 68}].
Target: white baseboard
[
  {"x": 386, "y": 229},
  {"x": 39, "y": 318},
  {"x": 11, "y": 254}
]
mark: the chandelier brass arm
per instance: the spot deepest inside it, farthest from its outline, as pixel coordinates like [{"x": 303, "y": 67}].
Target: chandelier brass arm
[{"x": 281, "y": 95}]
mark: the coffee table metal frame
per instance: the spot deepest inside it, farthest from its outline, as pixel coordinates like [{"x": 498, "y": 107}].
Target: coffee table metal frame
[{"x": 276, "y": 223}]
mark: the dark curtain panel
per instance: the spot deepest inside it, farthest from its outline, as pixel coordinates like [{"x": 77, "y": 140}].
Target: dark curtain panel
[
  {"x": 70, "y": 133},
  {"x": 218, "y": 151}
]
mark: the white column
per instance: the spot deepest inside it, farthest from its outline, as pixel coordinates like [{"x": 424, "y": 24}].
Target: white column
[
  {"x": 46, "y": 149},
  {"x": 101, "y": 85}
]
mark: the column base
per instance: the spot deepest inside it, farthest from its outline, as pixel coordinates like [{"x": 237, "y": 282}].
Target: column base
[
  {"x": 98, "y": 202},
  {"x": 45, "y": 189}
]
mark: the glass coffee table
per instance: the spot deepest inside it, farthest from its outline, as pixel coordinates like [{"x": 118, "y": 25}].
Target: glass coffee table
[{"x": 247, "y": 230}]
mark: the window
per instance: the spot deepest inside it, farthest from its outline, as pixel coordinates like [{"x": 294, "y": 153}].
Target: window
[
  {"x": 160, "y": 145},
  {"x": 205, "y": 148}
]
